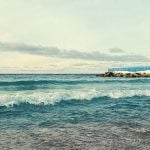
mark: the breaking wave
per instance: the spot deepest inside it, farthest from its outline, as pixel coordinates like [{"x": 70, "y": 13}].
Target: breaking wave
[
  {"x": 55, "y": 96},
  {"x": 52, "y": 89}
]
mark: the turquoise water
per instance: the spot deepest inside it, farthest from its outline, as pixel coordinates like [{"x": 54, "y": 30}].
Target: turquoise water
[{"x": 74, "y": 112}]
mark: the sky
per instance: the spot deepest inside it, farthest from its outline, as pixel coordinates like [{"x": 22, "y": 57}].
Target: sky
[{"x": 73, "y": 36}]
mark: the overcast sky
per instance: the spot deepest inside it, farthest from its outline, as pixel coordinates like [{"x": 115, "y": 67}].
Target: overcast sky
[{"x": 73, "y": 36}]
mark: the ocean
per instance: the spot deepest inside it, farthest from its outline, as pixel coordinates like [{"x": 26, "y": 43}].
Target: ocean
[{"x": 77, "y": 111}]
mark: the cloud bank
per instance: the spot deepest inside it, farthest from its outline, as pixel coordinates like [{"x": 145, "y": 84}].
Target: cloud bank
[{"x": 73, "y": 54}]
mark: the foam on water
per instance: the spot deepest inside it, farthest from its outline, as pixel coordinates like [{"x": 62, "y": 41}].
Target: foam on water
[
  {"x": 51, "y": 89},
  {"x": 55, "y": 96}
]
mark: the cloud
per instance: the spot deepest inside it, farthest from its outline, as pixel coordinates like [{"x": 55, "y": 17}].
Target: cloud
[
  {"x": 116, "y": 50},
  {"x": 73, "y": 54}
]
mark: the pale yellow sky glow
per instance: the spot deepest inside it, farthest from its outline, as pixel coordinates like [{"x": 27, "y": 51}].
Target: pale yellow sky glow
[
  {"x": 31, "y": 63},
  {"x": 27, "y": 63}
]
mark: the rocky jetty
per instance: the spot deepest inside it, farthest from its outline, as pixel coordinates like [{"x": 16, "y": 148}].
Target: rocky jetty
[{"x": 125, "y": 75}]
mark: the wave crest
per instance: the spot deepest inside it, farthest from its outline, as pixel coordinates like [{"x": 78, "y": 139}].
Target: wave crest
[{"x": 55, "y": 96}]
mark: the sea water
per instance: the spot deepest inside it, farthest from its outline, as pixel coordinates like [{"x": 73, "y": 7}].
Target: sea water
[{"x": 74, "y": 112}]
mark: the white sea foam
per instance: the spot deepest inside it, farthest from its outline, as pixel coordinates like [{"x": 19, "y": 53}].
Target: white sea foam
[{"x": 54, "y": 96}]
